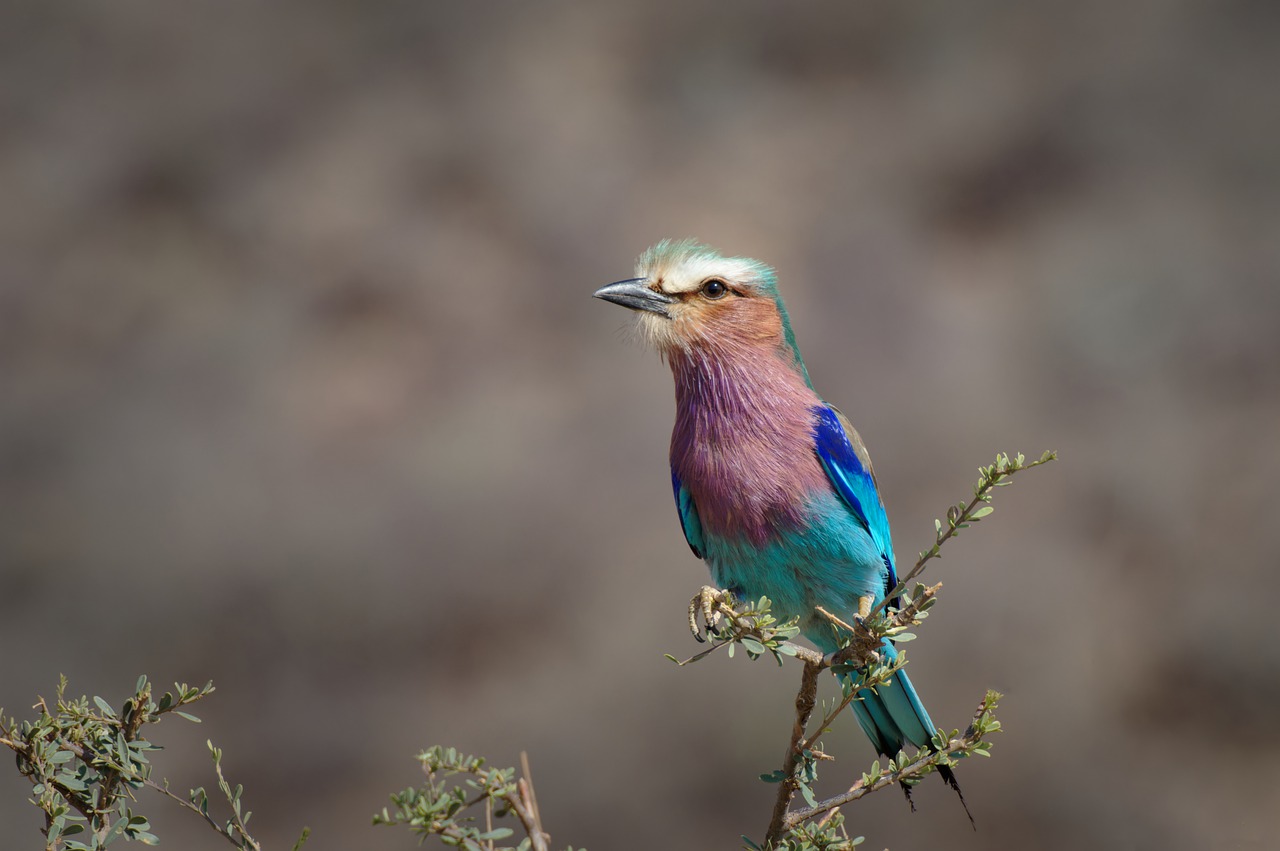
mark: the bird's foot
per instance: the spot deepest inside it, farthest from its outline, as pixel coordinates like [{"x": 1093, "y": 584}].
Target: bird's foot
[
  {"x": 710, "y": 603},
  {"x": 859, "y": 618}
]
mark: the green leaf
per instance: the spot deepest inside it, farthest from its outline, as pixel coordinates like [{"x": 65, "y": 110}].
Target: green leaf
[
  {"x": 104, "y": 706},
  {"x": 75, "y": 784},
  {"x": 808, "y": 795}
]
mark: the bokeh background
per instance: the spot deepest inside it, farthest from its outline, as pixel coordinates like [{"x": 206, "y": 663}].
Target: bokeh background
[{"x": 302, "y": 390}]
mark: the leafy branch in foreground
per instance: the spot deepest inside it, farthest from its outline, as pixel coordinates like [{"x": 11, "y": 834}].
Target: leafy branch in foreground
[
  {"x": 861, "y": 665},
  {"x": 85, "y": 762},
  {"x": 440, "y": 806}
]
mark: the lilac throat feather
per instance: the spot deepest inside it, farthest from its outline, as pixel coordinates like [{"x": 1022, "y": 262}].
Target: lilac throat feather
[{"x": 743, "y": 418}]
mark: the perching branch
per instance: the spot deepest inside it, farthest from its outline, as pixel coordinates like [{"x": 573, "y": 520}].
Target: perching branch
[
  {"x": 754, "y": 628},
  {"x": 862, "y": 650},
  {"x": 806, "y": 699}
]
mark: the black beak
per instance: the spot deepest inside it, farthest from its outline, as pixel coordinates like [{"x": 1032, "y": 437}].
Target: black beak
[{"x": 634, "y": 294}]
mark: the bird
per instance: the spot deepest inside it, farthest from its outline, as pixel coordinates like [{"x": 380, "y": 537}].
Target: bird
[{"x": 773, "y": 486}]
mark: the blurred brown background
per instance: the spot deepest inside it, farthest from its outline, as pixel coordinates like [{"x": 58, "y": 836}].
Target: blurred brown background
[{"x": 303, "y": 390}]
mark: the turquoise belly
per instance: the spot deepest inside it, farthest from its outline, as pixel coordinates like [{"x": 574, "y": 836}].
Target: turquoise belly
[{"x": 829, "y": 561}]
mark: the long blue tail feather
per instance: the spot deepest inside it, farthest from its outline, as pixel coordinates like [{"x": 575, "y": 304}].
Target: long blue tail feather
[{"x": 893, "y": 716}]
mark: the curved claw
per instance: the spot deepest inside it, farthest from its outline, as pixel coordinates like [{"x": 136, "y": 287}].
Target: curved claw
[
  {"x": 693, "y": 622},
  {"x": 705, "y": 603}
]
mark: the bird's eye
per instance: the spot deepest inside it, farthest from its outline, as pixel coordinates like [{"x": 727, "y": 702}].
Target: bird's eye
[{"x": 714, "y": 288}]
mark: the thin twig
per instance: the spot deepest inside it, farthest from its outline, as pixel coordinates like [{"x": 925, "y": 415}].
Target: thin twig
[
  {"x": 533, "y": 795},
  {"x": 981, "y": 495},
  {"x": 488, "y": 817},
  {"x": 236, "y": 820},
  {"x": 523, "y": 808},
  {"x": 847, "y": 627},
  {"x": 697, "y": 657},
  {"x": 525, "y": 805},
  {"x": 185, "y": 804},
  {"x": 924, "y": 759},
  {"x": 829, "y": 718},
  {"x": 806, "y": 698}
]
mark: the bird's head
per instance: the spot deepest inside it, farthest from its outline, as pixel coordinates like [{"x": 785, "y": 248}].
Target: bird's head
[{"x": 687, "y": 296}]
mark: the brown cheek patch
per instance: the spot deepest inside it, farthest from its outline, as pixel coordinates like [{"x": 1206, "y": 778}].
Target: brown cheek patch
[
  {"x": 746, "y": 318},
  {"x": 732, "y": 318}
]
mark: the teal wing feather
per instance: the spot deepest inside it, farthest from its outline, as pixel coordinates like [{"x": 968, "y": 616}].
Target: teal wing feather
[{"x": 689, "y": 520}]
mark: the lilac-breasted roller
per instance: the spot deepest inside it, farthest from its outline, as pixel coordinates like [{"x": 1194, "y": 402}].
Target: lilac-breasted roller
[{"x": 773, "y": 486}]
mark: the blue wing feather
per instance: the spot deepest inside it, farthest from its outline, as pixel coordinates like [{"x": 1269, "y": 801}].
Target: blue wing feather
[
  {"x": 689, "y": 520},
  {"x": 892, "y": 714},
  {"x": 848, "y": 466}
]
